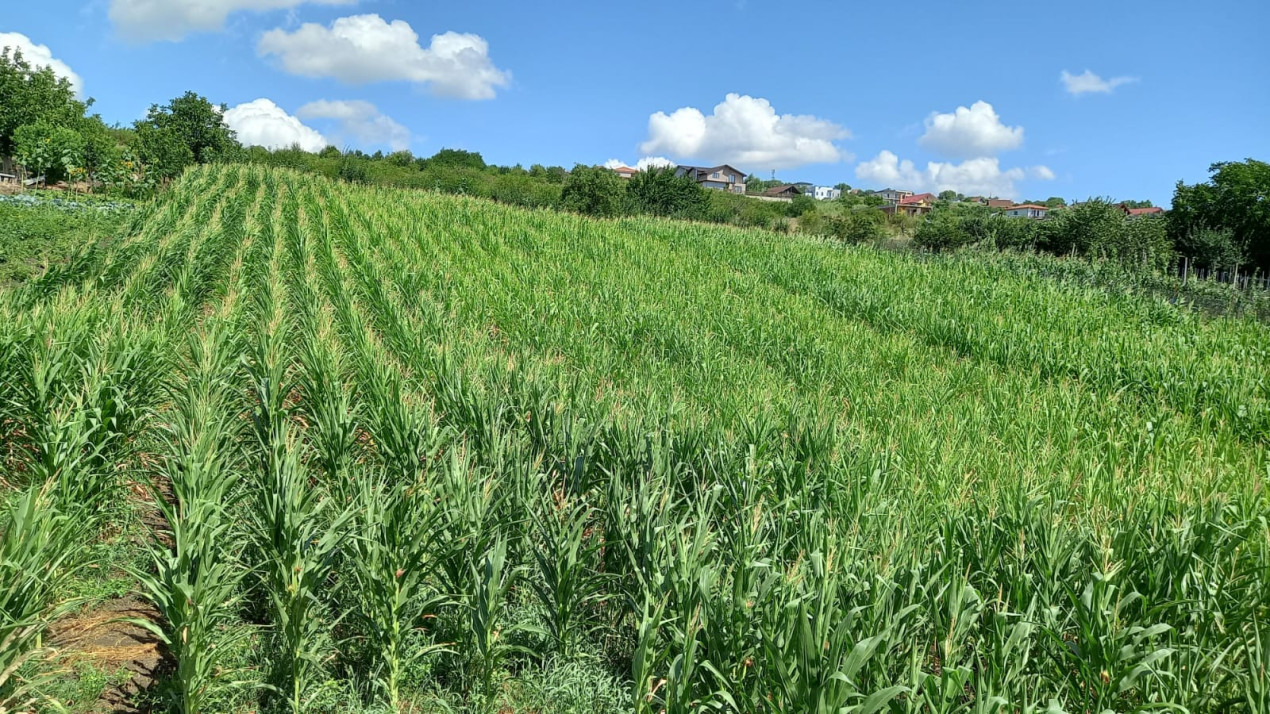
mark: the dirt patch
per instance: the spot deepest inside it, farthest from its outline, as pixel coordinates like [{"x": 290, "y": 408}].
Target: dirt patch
[{"x": 99, "y": 637}]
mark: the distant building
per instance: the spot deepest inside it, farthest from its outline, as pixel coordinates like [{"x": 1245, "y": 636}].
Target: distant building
[
  {"x": 892, "y": 196},
  {"x": 1027, "y": 210},
  {"x": 912, "y": 205},
  {"x": 625, "y": 171},
  {"x": 823, "y": 193},
  {"x": 1000, "y": 203},
  {"x": 1136, "y": 212},
  {"x": 721, "y": 178},
  {"x": 786, "y": 192}
]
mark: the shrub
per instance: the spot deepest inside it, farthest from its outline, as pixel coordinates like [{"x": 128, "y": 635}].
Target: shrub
[
  {"x": 862, "y": 226},
  {"x": 941, "y": 230},
  {"x": 594, "y": 191},
  {"x": 660, "y": 192}
]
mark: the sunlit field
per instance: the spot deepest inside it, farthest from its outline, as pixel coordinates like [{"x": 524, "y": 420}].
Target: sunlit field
[{"x": 416, "y": 452}]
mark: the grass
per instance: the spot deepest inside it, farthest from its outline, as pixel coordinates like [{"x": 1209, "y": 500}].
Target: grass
[{"x": 429, "y": 453}]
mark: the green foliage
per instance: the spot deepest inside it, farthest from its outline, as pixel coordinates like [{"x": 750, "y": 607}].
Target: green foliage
[
  {"x": 163, "y": 151},
  {"x": 658, "y": 191},
  {"x": 454, "y": 158},
  {"x": 190, "y": 122},
  {"x": 942, "y": 230},
  {"x": 593, "y": 191},
  {"x": 1099, "y": 229},
  {"x": 48, "y": 149},
  {"x": 34, "y": 238},
  {"x": 30, "y": 96},
  {"x": 865, "y": 225},
  {"x": 800, "y": 206},
  {"x": 1234, "y": 201}
]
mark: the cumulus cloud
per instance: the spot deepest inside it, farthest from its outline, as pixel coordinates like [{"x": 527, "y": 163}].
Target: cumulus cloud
[
  {"x": 364, "y": 48},
  {"x": 970, "y": 132},
  {"x": 40, "y": 56},
  {"x": 745, "y": 131},
  {"x": 978, "y": 176},
  {"x": 359, "y": 121},
  {"x": 1087, "y": 82},
  {"x": 148, "y": 20},
  {"x": 260, "y": 122},
  {"x": 644, "y": 163}
]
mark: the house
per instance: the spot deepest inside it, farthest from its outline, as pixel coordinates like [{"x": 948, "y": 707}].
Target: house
[
  {"x": 980, "y": 200},
  {"x": 1000, "y": 203},
  {"x": 786, "y": 192},
  {"x": 1027, "y": 210},
  {"x": 721, "y": 178},
  {"x": 625, "y": 171},
  {"x": 1136, "y": 212},
  {"x": 824, "y": 193},
  {"x": 892, "y": 196},
  {"x": 913, "y": 205}
]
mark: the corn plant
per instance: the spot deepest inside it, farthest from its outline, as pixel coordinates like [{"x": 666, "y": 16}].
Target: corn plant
[{"x": 38, "y": 546}]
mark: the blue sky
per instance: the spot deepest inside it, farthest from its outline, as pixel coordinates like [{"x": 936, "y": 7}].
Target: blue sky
[{"x": 921, "y": 95}]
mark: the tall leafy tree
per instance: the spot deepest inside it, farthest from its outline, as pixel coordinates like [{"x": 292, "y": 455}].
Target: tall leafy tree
[
  {"x": 29, "y": 95},
  {"x": 192, "y": 121},
  {"x": 1227, "y": 219}
]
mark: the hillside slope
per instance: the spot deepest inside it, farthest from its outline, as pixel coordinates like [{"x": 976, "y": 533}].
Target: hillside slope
[{"x": 648, "y": 463}]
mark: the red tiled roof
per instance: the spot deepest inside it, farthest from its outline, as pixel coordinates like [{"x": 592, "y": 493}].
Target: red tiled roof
[
  {"x": 1145, "y": 211},
  {"x": 918, "y": 198}
]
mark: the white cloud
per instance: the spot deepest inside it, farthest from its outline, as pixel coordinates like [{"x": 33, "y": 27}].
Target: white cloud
[
  {"x": 148, "y": 20},
  {"x": 970, "y": 132},
  {"x": 360, "y": 121},
  {"x": 262, "y": 123},
  {"x": 644, "y": 163},
  {"x": 364, "y": 48},
  {"x": 745, "y": 131},
  {"x": 1089, "y": 82},
  {"x": 979, "y": 176},
  {"x": 39, "y": 56}
]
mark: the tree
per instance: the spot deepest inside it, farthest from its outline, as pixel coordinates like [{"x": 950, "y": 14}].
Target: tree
[
  {"x": 162, "y": 151},
  {"x": 194, "y": 122},
  {"x": 593, "y": 190},
  {"x": 457, "y": 158},
  {"x": 941, "y": 230},
  {"x": 1228, "y": 217},
  {"x": 948, "y": 195},
  {"x": 660, "y": 192},
  {"x": 1136, "y": 204},
  {"x": 48, "y": 149},
  {"x": 401, "y": 158},
  {"x": 29, "y": 95},
  {"x": 843, "y": 187}
]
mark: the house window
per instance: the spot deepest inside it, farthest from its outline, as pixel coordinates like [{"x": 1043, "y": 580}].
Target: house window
[{"x": 714, "y": 175}]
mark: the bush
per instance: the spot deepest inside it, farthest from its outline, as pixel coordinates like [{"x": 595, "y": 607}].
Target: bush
[
  {"x": 800, "y": 206},
  {"x": 594, "y": 191},
  {"x": 1098, "y": 229},
  {"x": 941, "y": 230},
  {"x": 861, "y": 226},
  {"x": 660, "y": 192}
]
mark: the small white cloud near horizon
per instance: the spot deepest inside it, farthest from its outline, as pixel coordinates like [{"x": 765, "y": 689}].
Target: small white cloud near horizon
[
  {"x": 978, "y": 176},
  {"x": 642, "y": 164},
  {"x": 745, "y": 131},
  {"x": 970, "y": 132},
  {"x": 361, "y": 49},
  {"x": 1087, "y": 82},
  {"x": 260, "y": 122},
  {"x": 40, "y": 56},
  {"x": 359, "y": 120},
  {"x": 172, "y": 20}
]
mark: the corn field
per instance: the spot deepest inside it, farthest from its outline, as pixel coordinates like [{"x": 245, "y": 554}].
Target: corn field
[{"x": 429, "y": 453}]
